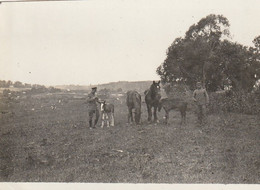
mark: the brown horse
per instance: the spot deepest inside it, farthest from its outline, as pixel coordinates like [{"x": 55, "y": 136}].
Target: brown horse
[
  {"x": 169, "y": 104},
  {"x": 133, "y": 101},
  {"x": 152, "y": 98}
]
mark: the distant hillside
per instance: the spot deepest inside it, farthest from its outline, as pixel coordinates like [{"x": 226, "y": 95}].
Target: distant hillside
[
  {"x": 73, "y": 87},
  {"x": 140, "y": 86}
]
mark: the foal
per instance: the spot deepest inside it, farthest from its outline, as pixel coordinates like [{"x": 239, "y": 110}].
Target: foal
[
  {"x": 107, "y": 114},
  {"x": 169, "y": 104}
]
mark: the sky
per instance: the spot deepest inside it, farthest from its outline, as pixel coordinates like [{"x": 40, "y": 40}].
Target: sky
[{"x": 101, "y": 41}]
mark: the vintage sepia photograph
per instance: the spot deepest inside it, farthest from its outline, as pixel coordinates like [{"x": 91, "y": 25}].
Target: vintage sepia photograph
[{"x": 130, "y": 92}]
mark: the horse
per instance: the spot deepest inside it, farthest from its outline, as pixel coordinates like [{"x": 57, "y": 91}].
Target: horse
[
  {"x": 169, "y": 104},
  {"x": 107, "y": 114},
  {"x": 152, "y": 98},
  {"x": 133, "y": 101}
]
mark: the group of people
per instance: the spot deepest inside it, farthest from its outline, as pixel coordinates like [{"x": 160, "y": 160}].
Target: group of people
[{"x": 200, "y": 97}]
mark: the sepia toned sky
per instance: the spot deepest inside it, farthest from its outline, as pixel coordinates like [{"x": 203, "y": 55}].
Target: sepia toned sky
[{"x": 100, "y": 41}]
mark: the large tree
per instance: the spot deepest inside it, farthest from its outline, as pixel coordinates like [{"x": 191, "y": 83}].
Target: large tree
[
  {"x": 238, "y": 65},
  {"x": 256, "y": 42},
  {"x": 205, "y": 54}
]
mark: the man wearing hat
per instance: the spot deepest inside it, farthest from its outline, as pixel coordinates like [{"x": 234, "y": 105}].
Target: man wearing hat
[
  {"x": 93, "y": 106},
  {"x": 201, "y": 98}
]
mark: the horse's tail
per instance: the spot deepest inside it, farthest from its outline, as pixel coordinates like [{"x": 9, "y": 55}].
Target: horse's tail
[
  {"x": 138, "y": 98},
  {"x": 137, "y": 105}
]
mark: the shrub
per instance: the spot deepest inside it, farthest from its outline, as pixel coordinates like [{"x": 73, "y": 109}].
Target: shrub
[{"x": 237, "y": 102}]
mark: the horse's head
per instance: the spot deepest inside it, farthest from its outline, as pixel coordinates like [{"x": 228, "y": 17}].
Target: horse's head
[
  {"x": 155, "y": 90},
  {"x": 156, "y": 86}
]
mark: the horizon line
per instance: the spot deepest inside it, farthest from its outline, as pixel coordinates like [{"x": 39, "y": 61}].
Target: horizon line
[{"x": 48, "y": 85}]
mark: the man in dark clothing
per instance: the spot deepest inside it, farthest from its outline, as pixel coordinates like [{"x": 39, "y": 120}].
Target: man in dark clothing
[{"x": 93, "y": 106}]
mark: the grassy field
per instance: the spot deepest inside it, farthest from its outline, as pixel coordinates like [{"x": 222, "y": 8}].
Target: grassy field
[{"x": 42, "y": 144}]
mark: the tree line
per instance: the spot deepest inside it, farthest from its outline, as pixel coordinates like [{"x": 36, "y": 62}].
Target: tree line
[
  {"x": 18, "y": 84},
  {"x": 206, "y": 53}
]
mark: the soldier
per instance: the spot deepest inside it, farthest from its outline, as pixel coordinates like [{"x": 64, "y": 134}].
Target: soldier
[
  {"x": 93, "y": 107},
  {"x": 201, "y": 98}
]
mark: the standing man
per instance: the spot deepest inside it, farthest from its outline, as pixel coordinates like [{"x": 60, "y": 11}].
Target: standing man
[
  {"x": 201, "y": 98},
  {"x": 93, "y": 106}
]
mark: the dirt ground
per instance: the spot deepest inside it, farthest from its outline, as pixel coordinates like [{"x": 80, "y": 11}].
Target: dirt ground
[{"x": 45, "y": 138}]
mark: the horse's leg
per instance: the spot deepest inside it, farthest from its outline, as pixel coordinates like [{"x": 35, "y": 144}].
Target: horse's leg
[
  {"x": 107, "y": 120},
  {"x": 130, "y": 115},
  {"x": 103, "y": 118},
  {"x": 137, "y": 115},
  {"x": 166, "y": 116},
  {"x": 112, "y": 119},
  {"x": 134, "y": 116},
  {"x": 149, "y": 110},
  {"x": 155, "y": 114}
]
